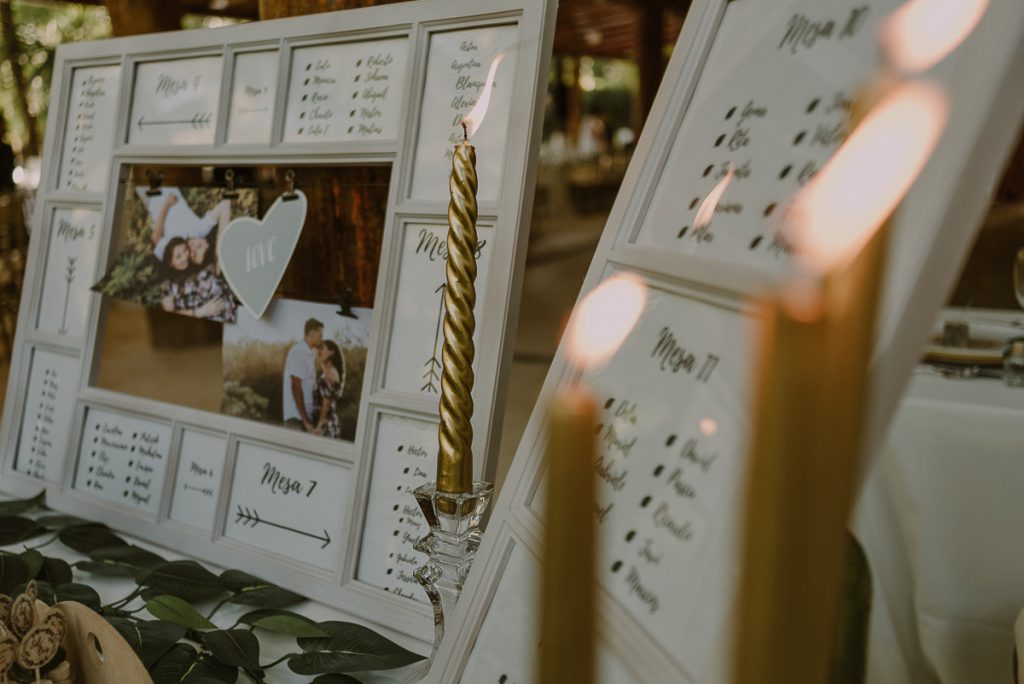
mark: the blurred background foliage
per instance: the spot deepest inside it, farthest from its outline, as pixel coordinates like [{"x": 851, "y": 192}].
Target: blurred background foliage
[{"x": 31, "y": 32}]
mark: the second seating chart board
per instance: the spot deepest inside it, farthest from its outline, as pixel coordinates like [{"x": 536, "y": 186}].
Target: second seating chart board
[
  {"x": 757, "y": 95},
  {"x": 164, "y": 149}
]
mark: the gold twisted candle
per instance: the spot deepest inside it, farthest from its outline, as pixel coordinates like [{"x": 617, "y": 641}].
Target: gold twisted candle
[{"x": 455, "y": 433}]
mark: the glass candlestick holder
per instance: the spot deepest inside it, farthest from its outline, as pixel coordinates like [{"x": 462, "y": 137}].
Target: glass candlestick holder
[{"x": 450, "y": 545}]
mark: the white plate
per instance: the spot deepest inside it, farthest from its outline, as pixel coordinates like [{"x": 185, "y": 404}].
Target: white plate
[{"x": 987, "y": 342}]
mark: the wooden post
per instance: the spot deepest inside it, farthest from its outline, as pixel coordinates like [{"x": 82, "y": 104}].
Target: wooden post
[
  {"x": 574, "y": 103},
  {"x": 650, "y": 60},
  {"x": 130, "y": 17},
  {"x": 275, "y": 9}
]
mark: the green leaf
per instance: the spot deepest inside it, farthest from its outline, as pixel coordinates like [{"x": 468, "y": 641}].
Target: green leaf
[
  {"x": 236, "y": 580},
  {"x": 185, "y": 579},
  {"x": 15, "y": 529},
  {"x": 283, "y": 622},
  {"x": 106, "y": 569},
  {"x": 34, "y": 560},
  {"x": 131, "y": 555},
  {"x": 88, "y": 538},
  {"x": 119, "y": 561},
  {"x": 55, "y": 571},
  {"x": 149, "y": 594},
  {"x": 349, "y": 648},
  {"x": 335, "y": 678},
  {"x": 19, "y": 506},
  {"x": 13, "y": 571},
  {"x": 211, "y": 671},
  {"x": 68, "y": 591},
  {"x": 81, "y": 593},
  {"x": 252, "y": 591},
  {"x": 59, "y": 520},
  {"x": 149, "y": 639},
  {"x": 172, "y": 666},
  {"x": 183, "y": 665},
  {"x": 238, "y": 647},
  {"x": 268, "y": 595},
  {"x": 173, "y": 609},
  {"x": 44, "y": 590}
]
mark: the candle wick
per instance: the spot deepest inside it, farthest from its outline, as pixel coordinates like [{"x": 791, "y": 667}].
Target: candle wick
[{"x": 465, "y": 131}]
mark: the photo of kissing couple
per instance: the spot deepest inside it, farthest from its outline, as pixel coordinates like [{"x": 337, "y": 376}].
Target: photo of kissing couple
[
  {"x": 301, "y": 366},
  {"x": 169, "y": 254}
]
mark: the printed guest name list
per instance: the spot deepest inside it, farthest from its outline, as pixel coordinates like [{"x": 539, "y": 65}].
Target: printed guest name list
[
  {"x": 457, "y": 69},
  {"x": 49, "y": 404},
  {"x": 123, "y": 459},
  {"x": 89, "y": 129},
  {"x": 405, "y": 456},
  {"x": 348, "y": 92},
  {"x": 670, "y": 451},
  {"x": 759, "y": 129}
]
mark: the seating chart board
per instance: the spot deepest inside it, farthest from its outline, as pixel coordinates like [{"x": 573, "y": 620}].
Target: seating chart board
[
  {"x": 353, "y": 112},
  {"x": 755, "y": 100}
]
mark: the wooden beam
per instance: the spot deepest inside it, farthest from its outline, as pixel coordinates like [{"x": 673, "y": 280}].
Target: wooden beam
[
  {"x": 650, "y": 57},
  {"x": 275, "y": 9},
  {"x": 574, "y": 115},
  {"x": 130, "y": 17}
]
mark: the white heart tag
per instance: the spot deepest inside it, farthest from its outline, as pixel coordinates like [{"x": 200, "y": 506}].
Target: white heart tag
[{"x": 254, "y": 253}]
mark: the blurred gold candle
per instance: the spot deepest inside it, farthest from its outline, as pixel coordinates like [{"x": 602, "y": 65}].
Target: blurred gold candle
[
  {"x": 600, "y": 324},
  {"x": 813, "y": 387},
  {"x": 567, "y": 629}
]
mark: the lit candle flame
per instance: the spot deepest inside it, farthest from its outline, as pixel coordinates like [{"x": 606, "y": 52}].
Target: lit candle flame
[
  {"x": 862, "y": 184},
  {"x": 472, "y": 121},
  {"x": 706, "y": 211},
  {"x": 921, "y": 33},
  {"x": 604, "y": 318}
]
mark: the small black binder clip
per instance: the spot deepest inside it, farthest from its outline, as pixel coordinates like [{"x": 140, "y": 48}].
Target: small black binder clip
[
  {"x": 156, "y": 179},
  {"x": 289, "y": 193},
  {"x": 229, "y": 185},
  {"x": 346, "y": 304}
]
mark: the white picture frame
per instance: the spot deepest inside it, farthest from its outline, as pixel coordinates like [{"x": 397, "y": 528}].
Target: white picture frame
[{"x": 208, "y": 532}]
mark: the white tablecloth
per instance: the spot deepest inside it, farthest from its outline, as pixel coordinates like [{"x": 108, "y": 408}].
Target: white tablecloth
[{"x": 942, "y": 521}]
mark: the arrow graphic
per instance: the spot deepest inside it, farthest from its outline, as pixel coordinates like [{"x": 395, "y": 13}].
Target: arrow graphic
[
  {"x": 69, "y": 277},
  {"x": 252, "y": 518},
  {"x": 198, "y": 120},
  {"x": 433, "y": 365}
]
